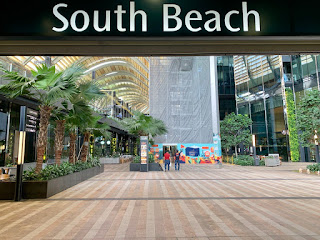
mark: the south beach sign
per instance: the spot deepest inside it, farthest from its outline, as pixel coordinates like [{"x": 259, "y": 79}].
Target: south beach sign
[
  {"x": 172, "y": 19},
  {"x": 75, "y": 19}
]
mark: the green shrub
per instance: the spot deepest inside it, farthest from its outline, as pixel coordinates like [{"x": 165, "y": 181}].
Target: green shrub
[
  {"x": 151, "y": 158},
  {"x": 54, "y": 171},
  {"x": 314, "y": 167},
  {"x": 97, "y": 152},
  {"x": 246, "y": 160},
  {"x": 292, "y": 126},
  {"x": 262, "y": 163},
  {"x": 115, "y": 155},
  {"x": 136, "y": 159},
  {"x": 243, "y": 160}
]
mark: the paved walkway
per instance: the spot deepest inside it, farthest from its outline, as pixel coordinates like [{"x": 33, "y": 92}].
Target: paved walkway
[{"x": 199, "y": 202}]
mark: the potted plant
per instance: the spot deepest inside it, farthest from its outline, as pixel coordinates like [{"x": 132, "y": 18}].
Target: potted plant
[{"x": 135, "y": 165}]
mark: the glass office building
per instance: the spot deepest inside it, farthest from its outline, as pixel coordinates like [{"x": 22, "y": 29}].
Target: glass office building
[
  {"x": 226, "y": 87},
  {"x": 261, "y": 83},
  {"x": 304, "y": 77}
]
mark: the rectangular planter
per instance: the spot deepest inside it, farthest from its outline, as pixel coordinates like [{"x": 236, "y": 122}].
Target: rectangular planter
[
  {"x": 135, "y": 167},
  {"x": 7, "y": 190},
  {"x": 110, "y": 161},
  {"x": 46, "y": 189},
  {"x": 155, "y": 167}
]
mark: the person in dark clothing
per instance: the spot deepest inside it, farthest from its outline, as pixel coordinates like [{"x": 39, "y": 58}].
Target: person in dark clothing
[{"x": 177, "y": 160}]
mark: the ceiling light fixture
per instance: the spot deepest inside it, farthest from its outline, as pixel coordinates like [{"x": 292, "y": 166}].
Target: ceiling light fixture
[
  {"x": 109, "y": 74},
  {"x": 103, "y": 64}
]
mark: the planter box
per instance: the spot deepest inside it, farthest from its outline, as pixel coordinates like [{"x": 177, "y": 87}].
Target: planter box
[
  {"x": 120, "y": 160},
  {"x": 155, "y": 167},
  {"x": 110, "y": 161},
  {"x": 135, "y": 167},
  {"x": 46, "y": 189},
  {"x": 7, "y": 190}
]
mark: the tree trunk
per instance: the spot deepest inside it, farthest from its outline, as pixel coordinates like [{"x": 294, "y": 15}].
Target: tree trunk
[
  {"x": 226, "y": 151},
  {"x": 45, "y": 112},
  {"x": 58, "y": 141},
  {"x": 85, "y": 147},
  {"x": 236, "y": 148},
  {"x": 72, "y": 149}
]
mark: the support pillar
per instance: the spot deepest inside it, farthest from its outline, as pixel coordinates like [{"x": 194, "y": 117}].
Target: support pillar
[
  {"x": 214, "y": 95},
  {"x": 317, "y": 154}
]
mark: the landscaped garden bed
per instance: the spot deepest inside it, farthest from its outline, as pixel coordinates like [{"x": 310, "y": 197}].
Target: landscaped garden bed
[
  {"x": 246, "y": 160},
  {"x": 51, "y": 180},
  {"x": 153, "y": 166},
  {"x": 313, "y": 169}
]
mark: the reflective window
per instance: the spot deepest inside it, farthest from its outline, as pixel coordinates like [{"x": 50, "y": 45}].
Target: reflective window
[
  {"x": 259, "y": 127},
  {"x": 276, "y": 126}
]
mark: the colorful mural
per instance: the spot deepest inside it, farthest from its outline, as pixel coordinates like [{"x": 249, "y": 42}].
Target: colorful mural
[{"x": 193, "y": 153}]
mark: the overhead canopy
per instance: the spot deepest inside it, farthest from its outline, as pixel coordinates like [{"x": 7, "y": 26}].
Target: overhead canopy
[{"x": 127, "y": 76}]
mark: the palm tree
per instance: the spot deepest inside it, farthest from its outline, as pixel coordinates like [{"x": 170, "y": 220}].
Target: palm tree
[
  {"x": 78, "y": 110},
  {"x": 48, "y": 87},
  {"x": 75, "y": 117},
  {"x": 58, "y": 143},
  {"x": 92, "y": 126},
  {"x": 144, "y": 125}
]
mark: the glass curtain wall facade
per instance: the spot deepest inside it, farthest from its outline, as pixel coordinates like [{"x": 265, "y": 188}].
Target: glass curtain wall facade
[
  {"x": 304, "y": 77},
  {"x": 258, "y": 84},
  {"x": 261, "y": 83},
  {"x": 225, "y": 71},
  {"x": 305, "y": 74}
]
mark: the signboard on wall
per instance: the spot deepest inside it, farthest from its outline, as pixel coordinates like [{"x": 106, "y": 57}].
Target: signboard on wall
[
  {"x": 59, "y": 19},
  {"x": 31, "y": 120},
  {"x": 144, "y": 150}
]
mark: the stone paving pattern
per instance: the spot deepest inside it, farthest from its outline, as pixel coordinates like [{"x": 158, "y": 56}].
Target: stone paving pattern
[{"x": 199, "y": 202}]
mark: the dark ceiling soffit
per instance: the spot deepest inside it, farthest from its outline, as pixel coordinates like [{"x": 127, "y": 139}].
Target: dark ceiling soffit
[
  {"x": 21, "y": 101},
  {"x": 161, "y": 46}
]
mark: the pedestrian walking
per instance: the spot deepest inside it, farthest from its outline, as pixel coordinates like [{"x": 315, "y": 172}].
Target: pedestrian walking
[
  {"x": 167, "y": 161},
  {"x": 177, "y": 160}
]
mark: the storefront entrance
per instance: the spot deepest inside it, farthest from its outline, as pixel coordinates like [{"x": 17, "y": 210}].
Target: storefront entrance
[{"x": 170, "y": 148}]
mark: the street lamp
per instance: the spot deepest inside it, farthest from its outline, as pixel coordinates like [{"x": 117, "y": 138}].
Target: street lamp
[
  {"x": 317, "y": 146},
  {"x": 21, "y": 152},
  {"x": 256, "y": 160}
]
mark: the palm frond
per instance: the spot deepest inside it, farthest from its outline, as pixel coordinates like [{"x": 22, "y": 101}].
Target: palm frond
[
  {"x": 141, "y": 124},
  {"x": 13, "y": 76},
  {"x": 90, "y": 91}
]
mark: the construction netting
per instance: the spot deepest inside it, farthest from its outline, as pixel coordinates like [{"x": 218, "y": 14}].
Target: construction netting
[{"x": 180, "y": 95}]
